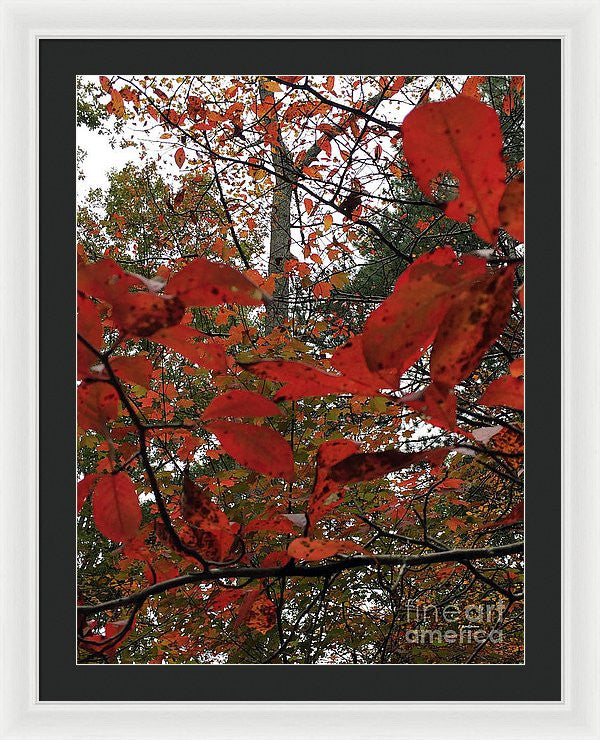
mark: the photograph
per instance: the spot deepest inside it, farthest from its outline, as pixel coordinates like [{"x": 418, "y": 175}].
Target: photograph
[{"x": 300, "y": 369}]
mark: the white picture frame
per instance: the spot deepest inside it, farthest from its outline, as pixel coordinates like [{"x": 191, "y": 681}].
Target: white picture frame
[{"x": 577, "y": 24}]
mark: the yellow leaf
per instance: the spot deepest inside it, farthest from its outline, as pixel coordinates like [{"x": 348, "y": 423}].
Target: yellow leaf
[
  {"x": 271, "y": 86},
  {"x": 328, "y": 221}
]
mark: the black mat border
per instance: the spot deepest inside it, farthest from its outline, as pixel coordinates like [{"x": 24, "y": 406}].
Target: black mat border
[{"x": 60, "y": 678}]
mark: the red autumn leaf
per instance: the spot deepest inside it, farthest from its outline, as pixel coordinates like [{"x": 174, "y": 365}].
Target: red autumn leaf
[
  {"x": 397, "y": 333},
  {"x": 224, "y": 599},
  {"x": 303, "y": 548},
  {"x": 370, "y": 465},
  {"x": 240, "y": 404},
  {"x": 133, "y": 370},
  {"x": 97, "y": 404},
  {"x": 180, "y": 157},
  {"x": 89, "y": 326},
  {"x": 205, "y": 283},
  {"x": 116, "y": 507},
  {"x": 84, "y": 487},
  {"x": 302, "y": 380},
  {"x": 141, "y": 314},
  {"x": 105, "y": 280},
  {"x": 461, "y": 136},
  {"x": 270, "y": 521},
  {"x": 326, "y": 493},
  {"x": 308, "y": 205},
  {"x": 259, "y": 448},
  {"x": 193, "y": 345},
  {"x": 276, "y": 559},
  {"x": 104, "y": 83},
  {"x": 512, "y": 209},
  {"x": 438, "y": 404},
  {"x": 474, "y": 321},
  {"x": 349, "y": 359},
  {"x": 506, "y": 391}
]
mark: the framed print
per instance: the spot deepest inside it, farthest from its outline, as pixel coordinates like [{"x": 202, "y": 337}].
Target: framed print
[{"x": 287, "y": 288}]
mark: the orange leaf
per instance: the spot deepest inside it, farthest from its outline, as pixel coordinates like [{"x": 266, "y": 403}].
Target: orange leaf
[
  {"x": 105, "y": 280},
  {"x": 259, "y": 448},
  {"x": 308, "y": 205},
  {"x": 517, "y": 367},
  {"x": 180, "y": 157},
  {"x": 118, "y": 107},
  {"x": 471, "y": 86},
  {"x": 303, "y": 548}
]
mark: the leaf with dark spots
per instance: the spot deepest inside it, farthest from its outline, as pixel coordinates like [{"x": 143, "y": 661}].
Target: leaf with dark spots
[
  {"x": 257, "y": 611},
  {"x": 270, "y": 521},
  {"x": 97, "y": 405},
  {"x": 461, "y": 136},
  {"x": 303, "y": 548},
  {"x": 370, "y": 465},
  {"x": 256, "y": 447},
  {"x": 205, "y": 518},
  {"x": 474, "y": 321},
  {"x": 398, "y": 332},
  {"x": 240, "y": 404},
  {"x": 141, "y": 314}
]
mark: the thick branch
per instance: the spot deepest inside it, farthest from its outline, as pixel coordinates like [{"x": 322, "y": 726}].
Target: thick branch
[{"x": 308, "y": 571}]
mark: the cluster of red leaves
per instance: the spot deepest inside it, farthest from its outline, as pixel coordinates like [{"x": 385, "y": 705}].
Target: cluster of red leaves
[{"x": 455, "y": 307}]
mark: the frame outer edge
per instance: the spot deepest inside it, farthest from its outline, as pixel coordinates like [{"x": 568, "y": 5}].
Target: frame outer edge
[{"x": 22, "y": 24}]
